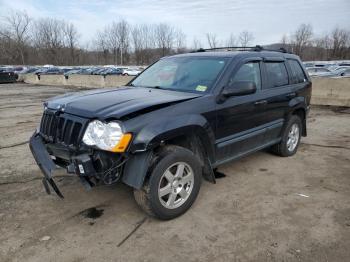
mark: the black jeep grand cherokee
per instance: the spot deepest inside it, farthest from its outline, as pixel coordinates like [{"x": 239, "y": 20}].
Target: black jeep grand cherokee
[{"x": 176, "y": 122}]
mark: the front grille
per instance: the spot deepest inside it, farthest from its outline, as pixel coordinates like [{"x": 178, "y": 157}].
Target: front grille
[{"x": 62, "y": 129}]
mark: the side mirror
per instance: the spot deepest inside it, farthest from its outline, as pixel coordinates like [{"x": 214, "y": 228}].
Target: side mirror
[{"x": 239, "y": 88}]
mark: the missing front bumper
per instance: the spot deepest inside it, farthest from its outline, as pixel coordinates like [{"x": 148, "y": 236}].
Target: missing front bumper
[
  {"x": 91, "y": 168},
  {"x": 45, "y": 163}
]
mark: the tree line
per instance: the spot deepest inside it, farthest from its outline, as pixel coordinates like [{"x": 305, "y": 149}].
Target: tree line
[{"x": 24, "y": 40}]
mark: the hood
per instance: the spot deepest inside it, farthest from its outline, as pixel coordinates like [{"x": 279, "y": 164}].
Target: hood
[{"x": 118, "y": 102}]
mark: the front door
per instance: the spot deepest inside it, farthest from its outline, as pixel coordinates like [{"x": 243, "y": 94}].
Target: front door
[{"x": 239, "y": 119}]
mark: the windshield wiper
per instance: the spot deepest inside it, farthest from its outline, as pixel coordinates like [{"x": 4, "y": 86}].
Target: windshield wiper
[{"x": 155, "y": 87}]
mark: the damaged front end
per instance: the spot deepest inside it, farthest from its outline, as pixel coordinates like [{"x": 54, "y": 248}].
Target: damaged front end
[{"x": 58, "y": 143}]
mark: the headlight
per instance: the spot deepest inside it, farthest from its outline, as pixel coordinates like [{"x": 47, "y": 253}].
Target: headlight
[{"x": 106, "y": 136}]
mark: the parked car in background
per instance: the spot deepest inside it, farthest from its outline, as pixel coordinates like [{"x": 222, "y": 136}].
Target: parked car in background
[
  {"x": 306, "y": 64},
  {"x": 100, "y": 70},
  {"x": 29, "y": 70},
  {"x": 20, "y": 76},
  {"x": 337, "y": 67},
  {"x": 131, "y": 72},
  {"x": 112, "y": 71},
  {"x": 342, "y": 72},
  {"x": 72, "y": 72},
  {"x": 51, "y": 71},
  {"x": 317, "y": 71},
  {"x": 346, "y": 73},
  {"x": 7, "y": 77},
  {"x": 336, "y": 73},
  {"x": 90, "y": 70}
]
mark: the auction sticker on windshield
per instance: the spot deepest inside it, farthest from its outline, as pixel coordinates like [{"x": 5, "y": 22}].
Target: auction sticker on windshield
[{"x": 201, "y": 88}]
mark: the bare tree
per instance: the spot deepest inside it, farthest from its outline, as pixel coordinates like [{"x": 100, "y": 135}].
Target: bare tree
[
  {"x": 212, "y": 40},
  {"x": 165, "y": 36},
  {"x": 231, "y": 41},
  {"x": 118, "y": 39},
  {"x": 49, "y": 38},
  {"x": 196, "y": 44},
  {"x": 340, "y": 42},
  {"x": 101, "y": 44},
  {"x": 284, "y": 41},
  {"x": 322, "y": 47},
  {"x": 123, "y": 34},
  {"x": 143, "y": 40},
  {"x": 71, "y": 40},
  {"x": 180, "y": 41},
  {"x": 136, "y": 35},
  {"x": 16, "y": 29},
  {"x": 245, "y": 38},
  {"x": 302, "y": 38},
  {"x": 53, "y": 41}
]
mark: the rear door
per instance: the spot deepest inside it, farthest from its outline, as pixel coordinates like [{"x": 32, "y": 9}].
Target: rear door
[
  {"x": 277, "y": 93},
  {"x": 300, "y": 85}
]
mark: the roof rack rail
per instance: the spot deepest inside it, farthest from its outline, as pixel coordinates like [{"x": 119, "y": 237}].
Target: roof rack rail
[{"x": 256, "y": 48}]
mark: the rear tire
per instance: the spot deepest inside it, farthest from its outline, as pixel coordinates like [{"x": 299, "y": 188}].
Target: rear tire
[
  {"x": 290, "y": 138},
  {"x": 173, "y": 185}
]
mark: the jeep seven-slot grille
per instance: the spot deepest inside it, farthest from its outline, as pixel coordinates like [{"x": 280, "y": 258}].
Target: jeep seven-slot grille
[{"x": 60, "y": 129}]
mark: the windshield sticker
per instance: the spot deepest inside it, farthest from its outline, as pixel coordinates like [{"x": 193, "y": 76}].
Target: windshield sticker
[{"x": 201, "y": 88}]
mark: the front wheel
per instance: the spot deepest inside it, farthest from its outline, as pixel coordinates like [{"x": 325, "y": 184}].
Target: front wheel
[{"x": 173, "y": 184}]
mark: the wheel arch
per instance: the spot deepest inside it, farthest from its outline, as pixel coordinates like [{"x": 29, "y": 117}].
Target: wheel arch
[
  {"x": 299, "y": 108},
  {"x": 191, "y": 132}
]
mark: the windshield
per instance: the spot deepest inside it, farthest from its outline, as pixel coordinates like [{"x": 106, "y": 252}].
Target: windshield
[{"x": 189, "y": 74}]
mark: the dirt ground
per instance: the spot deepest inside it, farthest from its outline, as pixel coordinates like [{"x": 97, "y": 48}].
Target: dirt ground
[{"x": 266, "y": 208}]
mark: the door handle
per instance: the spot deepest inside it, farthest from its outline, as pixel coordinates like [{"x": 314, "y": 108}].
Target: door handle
[
  {"x": 261, "y": 102},
  {"x": 291, "y": 95}
]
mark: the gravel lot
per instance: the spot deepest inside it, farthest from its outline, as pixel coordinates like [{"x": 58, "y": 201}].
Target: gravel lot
[{"x": 266, "y": 208}]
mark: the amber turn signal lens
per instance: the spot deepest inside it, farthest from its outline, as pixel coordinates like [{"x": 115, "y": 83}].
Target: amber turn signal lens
[{"x": 123, "y": 143}]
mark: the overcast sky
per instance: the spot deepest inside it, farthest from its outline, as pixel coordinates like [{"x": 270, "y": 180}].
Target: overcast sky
[{"x": 268, "y": 20}]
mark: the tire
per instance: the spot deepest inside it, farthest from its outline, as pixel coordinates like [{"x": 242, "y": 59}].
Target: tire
[
  {"x": 179, "y": 189},
  {"x": 289, "y": 147}
]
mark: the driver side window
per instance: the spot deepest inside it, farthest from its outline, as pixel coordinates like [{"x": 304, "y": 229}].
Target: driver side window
[{"x": 248, "y": 72}]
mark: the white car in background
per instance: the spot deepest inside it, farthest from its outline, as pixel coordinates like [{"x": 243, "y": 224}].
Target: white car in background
[
  {"x": 317, "y": 71},
  {"x": 130, "y": 72}
]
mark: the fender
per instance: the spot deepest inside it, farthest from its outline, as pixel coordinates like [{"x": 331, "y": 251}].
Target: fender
[
  {"x": 151, "y": 136},
  {"x": 154, "y": 134},
  {"x": 298, "y": 103}
]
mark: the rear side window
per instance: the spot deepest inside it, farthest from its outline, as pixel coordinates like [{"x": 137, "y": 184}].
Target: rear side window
[
  {"x": 276, "y": 74},
  {"x": 297, "y": 71}
]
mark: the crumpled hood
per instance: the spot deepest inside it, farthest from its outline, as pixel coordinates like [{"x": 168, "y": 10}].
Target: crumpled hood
[{"x": 117, "y": 102}]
